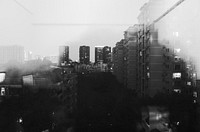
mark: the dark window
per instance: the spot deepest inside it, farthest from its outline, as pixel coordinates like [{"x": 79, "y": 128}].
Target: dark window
[
  {"x": 167, "y": 66},
  {"x": 177, "y": 67},
  {"x": 177, "y": 83}
]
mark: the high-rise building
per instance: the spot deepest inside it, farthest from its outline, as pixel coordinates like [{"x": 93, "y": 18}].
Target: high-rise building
[
  {"x": 130, "y": 58},
  {"x": 154, "y": 64},
  {"x": 106, "y": 54},
  {"x": 118, "y": 61},
  {"x": 149, "y": 61},
  {"x": 98, "y": 54},
  {"x": 125, "y": 59},
  {"x": 28, "y": 56},
  {"x": 11, "y": 53},
  {"x": 148, "y": 67},
  {"x": 84, "y": 54},
  {"x": 63, "y": 55}
]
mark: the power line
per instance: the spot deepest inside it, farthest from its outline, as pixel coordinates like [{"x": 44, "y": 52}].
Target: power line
[
  {"x": 22, "y": 6},
  {"x": 78, "y": 24},
  {"x": 168, "y": 11}
]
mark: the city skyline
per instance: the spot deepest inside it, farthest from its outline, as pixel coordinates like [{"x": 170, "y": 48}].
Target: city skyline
[
  {"x": 33, "y": 25},
  {"x": 29, "y": 55},
  {"x": 99, "y": 65},
  {"x": 38, "y": 25}
]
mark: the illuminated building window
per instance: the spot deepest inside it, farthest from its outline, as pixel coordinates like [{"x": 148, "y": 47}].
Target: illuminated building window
[
  {"x": 140, "y": 53},
  {"x": 195, "y": 94},
  {"x": 177, "y": 50},
  {"x": 148, "y": 74},
  {"x": 189, "y": 83},
  {"x": 176, "y": 75},
  {"x": 2, "y": 77},
  {"x": 177, "y": 90},
  {"x": 188, "y": 66},
  {"x": 194, "y": 74},
  {"x": 3, "y": 91}
]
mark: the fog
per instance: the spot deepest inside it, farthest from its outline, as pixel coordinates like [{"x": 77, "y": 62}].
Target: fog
[
  {"x": 37, "y": 24},
  {"x": 180, "y": 28}
]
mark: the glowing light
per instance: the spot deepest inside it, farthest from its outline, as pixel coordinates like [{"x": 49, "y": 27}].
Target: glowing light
[
  {"x": 176, "y": 34},
  {"x": 189, "y": 83},
  {"x": 194, "y": 74},
  {"x": 3, "y": 91},
  {"x": 195, "y": 94},
  {"x": 2, "y": 77},
  {"x": 158, "y": 116},
  {"x": 178, "y": 50},
  {"x": 177, "y": 90},
  {"x": 176, "y": 75},
  {"x": 177, "y": 123},
  {"x": 20, "y": 120}
]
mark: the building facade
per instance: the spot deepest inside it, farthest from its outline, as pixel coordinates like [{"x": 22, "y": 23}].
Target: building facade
[
  {"x": 11, "y": 54},
  {"x": 106, "y": 54},
  {"x": 63, "y": 55},
  {"x": 149, "y": 67},
  {"x": 130, "y": 58},
  {"x": 118, "y": 61},
  {"x": 84, "y": 54},
  {"x": 98, "y": 54}
]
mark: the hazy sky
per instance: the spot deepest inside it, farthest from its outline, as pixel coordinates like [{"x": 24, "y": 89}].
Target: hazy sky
[{"x": 42, "y": 25}]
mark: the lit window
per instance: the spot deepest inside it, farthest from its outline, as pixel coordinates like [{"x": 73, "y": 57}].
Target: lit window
[
  {"x": 177, "y": 90},
  {"x": 176, "y": 75},
  {"x": 148, "y": 74},
  {"x": 178, "y": 50},
  {"x": 189, "y": 83},
  {"x": 2, "y": 77},
  {"x": 195, "y": 94},
  {"x": 3, "y": 91},
  {"x": 140, "y": 53},
  {"x": 194, "y": 75},
  {"x": 188, "y": 66}
]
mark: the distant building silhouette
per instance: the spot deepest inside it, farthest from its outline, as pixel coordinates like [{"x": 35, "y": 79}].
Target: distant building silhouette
[
  {"x": 11, "y": 53},
  {"x": 28, "y": 56},
  {"x": 106, "y": 54},
  {"x": 84, "y": 54},
  {"x": 52, "y": 58},
  {"x": 63, "y": 55},
  {"x": 98, "y": 54}
]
